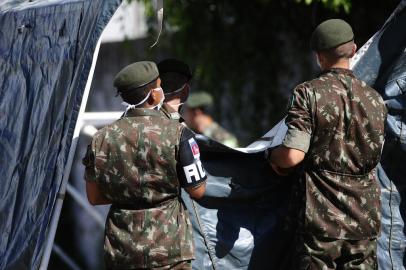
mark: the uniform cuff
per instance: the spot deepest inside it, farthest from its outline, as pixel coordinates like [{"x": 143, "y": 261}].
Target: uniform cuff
[
  {"x": 90, "y": 174},
  {"x": 297, "y": 139}
]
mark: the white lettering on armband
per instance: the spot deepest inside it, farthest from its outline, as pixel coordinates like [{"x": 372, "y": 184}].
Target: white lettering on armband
[
  {"x": 194, "y": 170},
  {"x": 201, "y": 171}
]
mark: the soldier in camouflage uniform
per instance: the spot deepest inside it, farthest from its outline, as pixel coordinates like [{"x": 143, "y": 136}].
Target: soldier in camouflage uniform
[
  {"x": 138, "y": 164},
  {"x": 336, "y": 127},
  {"x": 200, "y": 121},
  {"x": 175, "y": 77}
]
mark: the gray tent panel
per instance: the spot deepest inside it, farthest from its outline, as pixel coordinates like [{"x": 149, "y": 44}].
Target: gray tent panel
[{"x": 46, "y": 51}]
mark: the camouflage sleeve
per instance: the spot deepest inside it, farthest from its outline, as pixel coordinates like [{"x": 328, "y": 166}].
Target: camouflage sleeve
[
  {"x": 299, "y": 120},
  {"x": 190, "y": 169},
  {"x": 88, "y": 161}
]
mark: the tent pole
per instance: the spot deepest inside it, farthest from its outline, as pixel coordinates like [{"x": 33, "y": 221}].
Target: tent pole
[
  {"x": 82, "y": 201},
  {"x": 61, "y": 194},
  {"x": 65, "y": 257}
]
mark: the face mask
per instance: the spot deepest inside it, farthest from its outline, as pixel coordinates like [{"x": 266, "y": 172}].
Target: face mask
[
  {"x": 133, "y": 106},
  {"x": 176, "y": 92},
  {"x": 318, "y": 61},
  {"x": 161, "y": 102},
  {"x": 175, "y": 116}
]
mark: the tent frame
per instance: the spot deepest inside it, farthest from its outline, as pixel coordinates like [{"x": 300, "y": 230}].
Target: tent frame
[{"x": 62, "y": 189}]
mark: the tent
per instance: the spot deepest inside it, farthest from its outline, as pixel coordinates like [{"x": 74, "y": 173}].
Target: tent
[{"x": 46, "y": 53}]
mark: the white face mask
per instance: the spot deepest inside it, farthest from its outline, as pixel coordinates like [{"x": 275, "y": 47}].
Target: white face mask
[
  {"x": 161, "y": 102},
  {"x": 176, "y": 92},
  {"x": 318, "y": 61},
  {"x": 158, "y": 106}
]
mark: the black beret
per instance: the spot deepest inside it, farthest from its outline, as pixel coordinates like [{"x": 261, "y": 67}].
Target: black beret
[{"x": 174, "y": 65}]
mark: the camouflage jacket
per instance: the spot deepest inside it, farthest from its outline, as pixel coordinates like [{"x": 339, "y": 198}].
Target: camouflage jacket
[
  {"x": 218, "y": 133},
  {"x": 133, "y": 162},
  {"x": 168, "y": 113},
  {"x": 214, "y": 131},
  {"x": 338, "y": 121}
]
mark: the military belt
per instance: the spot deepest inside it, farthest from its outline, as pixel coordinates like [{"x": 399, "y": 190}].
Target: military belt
[{"x": 141, "y": 205}]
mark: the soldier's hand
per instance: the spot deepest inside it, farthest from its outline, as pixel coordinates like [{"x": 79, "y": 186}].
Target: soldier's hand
[{"x": 281, "y": 171}]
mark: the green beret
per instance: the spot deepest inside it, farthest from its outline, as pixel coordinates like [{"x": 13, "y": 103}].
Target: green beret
[
  {"x": 136, "y": 75},
  {"x": 174, "y": 65},
  {"x": 199, "y": 99},
  {"x": 330, "y": 34}
]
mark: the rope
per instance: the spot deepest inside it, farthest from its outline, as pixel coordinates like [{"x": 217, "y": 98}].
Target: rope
[{"x": 206, "y": 242}]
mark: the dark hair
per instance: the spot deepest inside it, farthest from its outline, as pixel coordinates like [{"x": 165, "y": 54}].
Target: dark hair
[
  {"x": 171, "y": 81},
  {"x": 341, "y": 51},
  {"x": 134, "y": 96}
]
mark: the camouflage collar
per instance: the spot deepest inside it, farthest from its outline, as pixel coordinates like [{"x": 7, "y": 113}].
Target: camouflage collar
[
  {"x": 142, "y": 112},
  {"x": 166, "y": 111},
  {"x": 343, "y": 71}
]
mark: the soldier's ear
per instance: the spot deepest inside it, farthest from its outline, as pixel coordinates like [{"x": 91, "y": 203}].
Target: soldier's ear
[{"x": 354, "y": 49}]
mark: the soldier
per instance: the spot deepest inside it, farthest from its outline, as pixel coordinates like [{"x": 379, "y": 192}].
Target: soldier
[
  {"x": 200, "y": 121},
  {"x": 175, "y": 76},
  {"x": 336, "y": 126},
  {"x": 138, "y": 164}
]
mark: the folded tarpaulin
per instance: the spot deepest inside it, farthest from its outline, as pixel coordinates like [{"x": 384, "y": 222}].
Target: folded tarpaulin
[
  {"x": 46, "y": 50},
  {"x": 237, "y": 225}
]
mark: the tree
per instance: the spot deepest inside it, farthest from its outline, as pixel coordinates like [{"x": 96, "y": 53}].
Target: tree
[{"x": 250, "y": 54}]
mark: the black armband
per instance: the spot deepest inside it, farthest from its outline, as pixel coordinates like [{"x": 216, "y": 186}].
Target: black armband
[{"x": 190, "y": 169}]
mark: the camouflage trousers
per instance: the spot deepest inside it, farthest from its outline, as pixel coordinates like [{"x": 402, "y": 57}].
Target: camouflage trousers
[
  {"x": 184, "y": 265},
  {"x": 321, "y": 253}
]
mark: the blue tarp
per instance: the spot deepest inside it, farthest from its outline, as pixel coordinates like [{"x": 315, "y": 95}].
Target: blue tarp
[
  {"x": 46, "y": 50},
  {"x": 384, "y": 67}
]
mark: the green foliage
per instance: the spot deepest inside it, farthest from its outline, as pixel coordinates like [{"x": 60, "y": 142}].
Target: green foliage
[
  {"x": 334, "y": 5},
  {"x": 251, "y": 54}
]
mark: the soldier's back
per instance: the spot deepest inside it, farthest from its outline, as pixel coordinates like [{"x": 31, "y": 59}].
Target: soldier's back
[
  {"x": 135, "y": 163},
  {"x": 349, "y": 121},
  {"x": 347, "y": 136}
]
